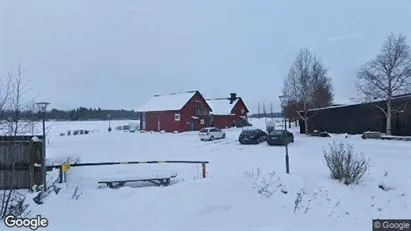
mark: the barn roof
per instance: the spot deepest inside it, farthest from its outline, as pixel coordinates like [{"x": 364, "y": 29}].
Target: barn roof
[
  {"x": 168, "y": 102},
  {"x": 343, "y": 102},
  {"x": 357, "y": 102},
  {"x": 221, "y": 106}
]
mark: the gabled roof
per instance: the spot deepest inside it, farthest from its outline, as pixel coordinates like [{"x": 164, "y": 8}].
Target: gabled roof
[
  {"x": 342, "y": 102},
  {"x": 168, "y": 102},
  {"x": 221, "y": 106},
  {"x": 357, "y": 102}
]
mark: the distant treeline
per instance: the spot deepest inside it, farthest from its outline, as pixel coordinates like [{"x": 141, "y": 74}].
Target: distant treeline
[
  {"x": 267, "y": 115},
  {"x": 78, "y": 114},
  {"x": 83, "y": 113}
]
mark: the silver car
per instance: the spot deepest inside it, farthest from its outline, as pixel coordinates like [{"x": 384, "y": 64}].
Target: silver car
[{"x": 211, "y": 133}]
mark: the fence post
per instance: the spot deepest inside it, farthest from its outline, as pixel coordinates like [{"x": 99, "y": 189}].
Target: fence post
[
  {"x": 32, "y": 162},
  {"x": 61, "y": 173},
  {"x": 204, "y": 169}
]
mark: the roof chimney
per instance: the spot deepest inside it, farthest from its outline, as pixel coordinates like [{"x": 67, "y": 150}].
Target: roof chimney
[{"x": 233, "y": 97}]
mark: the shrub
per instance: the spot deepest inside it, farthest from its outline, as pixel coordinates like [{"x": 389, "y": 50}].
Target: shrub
[
  {"x": 269, "y": 128},
  {"x": 13, "y": 202},
  {"x": 345, "y": 164}
]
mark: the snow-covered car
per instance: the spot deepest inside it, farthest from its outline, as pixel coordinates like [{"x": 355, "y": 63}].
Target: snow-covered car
[{"x": 211, "y": 133}]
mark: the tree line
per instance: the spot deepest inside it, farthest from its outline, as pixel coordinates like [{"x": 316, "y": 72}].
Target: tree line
[
  {"x": 77, "y": 114},
  {"x": 388, "y": 74},
  {"x": 266, "y": 115},
  {"x": 262, "y": 112}
]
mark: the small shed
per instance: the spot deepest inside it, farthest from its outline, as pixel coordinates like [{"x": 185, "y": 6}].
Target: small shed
[{"x": 19, "y": 156}]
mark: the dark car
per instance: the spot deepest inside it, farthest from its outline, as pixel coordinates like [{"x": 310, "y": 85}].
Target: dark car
[
  {"x": 280, "y": 137},
  {"x": 252, "y": 136}
]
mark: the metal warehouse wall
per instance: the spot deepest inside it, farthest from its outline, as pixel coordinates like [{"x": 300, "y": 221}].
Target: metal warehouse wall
[{"x": 357, "y": 119}]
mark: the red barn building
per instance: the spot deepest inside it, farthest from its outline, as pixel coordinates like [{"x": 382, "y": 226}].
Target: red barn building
[
  {"x": 184, "y": 111},
  {"x": 227, "y": 112}
]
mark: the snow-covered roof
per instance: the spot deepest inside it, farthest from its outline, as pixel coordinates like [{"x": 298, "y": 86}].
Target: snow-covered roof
[
  {"x": 221, "y": 106},
  {"x": 342, "y": 102},
  {"x": 168, "y": 102},
  {"x": 355, "y": 102}
]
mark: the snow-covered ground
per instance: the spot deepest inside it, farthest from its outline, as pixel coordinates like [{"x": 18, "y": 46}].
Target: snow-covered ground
[{"x": 246, "y": 187}]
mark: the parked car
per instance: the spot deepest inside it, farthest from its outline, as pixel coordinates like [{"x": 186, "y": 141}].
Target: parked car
[
  {"x": 126, "y": 128},
  {"x": 211, "y": 133},
  {"x": 252, "y": 136},
  {"x": 280, "y": 137}
]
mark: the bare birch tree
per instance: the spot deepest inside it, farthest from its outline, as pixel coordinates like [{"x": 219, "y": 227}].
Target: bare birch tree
[
  {"x": 308, "y": 85},
  {"x": 264, "y": 111},
  {"x": 5, "y": 83},
  {"x": 265, "y": 114},
  {"x": 4, "y": 91},
  {"x": 14, "y": 100},
  {"x": 387, "y": 75},
  {"x": 259, "y": 111},
  {"x": 18, "y": 102},
  {"x": 4, "y": 97},
  {"x": 33, "y": 108},
  {"x": 271, "y": 111}
]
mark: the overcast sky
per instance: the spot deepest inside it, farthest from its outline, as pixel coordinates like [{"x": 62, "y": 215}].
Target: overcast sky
[{"x": 118, "y": 54}]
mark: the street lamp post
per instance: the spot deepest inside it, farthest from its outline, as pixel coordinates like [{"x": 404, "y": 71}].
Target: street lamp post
[
  {"x": 42, "y": 108},
  {"x": 284, "y": 102},
  {"x": 109, "y": 123}
]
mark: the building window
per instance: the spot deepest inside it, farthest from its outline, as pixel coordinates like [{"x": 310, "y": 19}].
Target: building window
[
  {"x": 197, "y": 106},
  {"x": 177, "y": 117}
]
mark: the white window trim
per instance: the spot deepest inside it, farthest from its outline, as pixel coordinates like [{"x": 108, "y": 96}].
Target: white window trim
[{"x": 177, "y": 117}]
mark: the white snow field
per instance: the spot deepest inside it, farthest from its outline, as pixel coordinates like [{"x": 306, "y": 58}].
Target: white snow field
[{"x": 246, "y": 187}]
